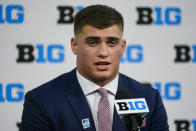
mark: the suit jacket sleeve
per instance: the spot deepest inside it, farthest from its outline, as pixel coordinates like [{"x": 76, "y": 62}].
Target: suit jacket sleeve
[
  {"x": 34, "y": 116},
  {"x": 159, "y": 120}
]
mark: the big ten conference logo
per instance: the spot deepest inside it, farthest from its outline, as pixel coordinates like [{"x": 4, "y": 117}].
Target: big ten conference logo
[
  {"x": 185, "y": 125},
  {"x": 159, "y": 16},
  {"x": 12, "y": 14},
  {"x": 66, "y": 14},
  {"x": 185, "y": 53},
  {"x": 167, "y": 90},
  {"x": 138, "y": 105},
  {"x": 133, "y": 54},
  {"x": 40, "y": 53},
  {"x": 12, "y": 92}
]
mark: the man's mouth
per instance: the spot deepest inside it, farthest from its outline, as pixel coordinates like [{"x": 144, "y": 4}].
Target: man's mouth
[{"x": 102, "y": 65}]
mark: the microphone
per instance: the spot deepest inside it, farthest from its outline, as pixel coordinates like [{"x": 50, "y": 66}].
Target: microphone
[{"x": 131, "y": 110}]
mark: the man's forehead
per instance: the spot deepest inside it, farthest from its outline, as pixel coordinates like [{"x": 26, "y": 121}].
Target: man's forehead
[
  {"x": 112, "y": 31},
  {"x": 89, "y": 27}
]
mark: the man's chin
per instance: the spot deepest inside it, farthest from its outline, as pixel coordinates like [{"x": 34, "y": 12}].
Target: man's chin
[{"x": 103, "y": 76}]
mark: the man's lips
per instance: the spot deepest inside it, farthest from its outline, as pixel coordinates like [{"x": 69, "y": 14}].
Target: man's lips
[{"x": 102, "y": 65}]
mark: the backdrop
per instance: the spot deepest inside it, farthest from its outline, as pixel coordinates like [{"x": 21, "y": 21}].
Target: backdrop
[{"x": 161, "y": 51}]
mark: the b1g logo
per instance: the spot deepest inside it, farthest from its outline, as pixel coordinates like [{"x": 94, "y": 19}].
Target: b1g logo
[
  {"x": 12, "y": 14},
  {"x": 66, "y": 14},
  {"x": 12, "y": 92},
  {"x": 168, "y": 90},
  {"x": 54, "y": 53},
  {"x": 131, "y": 106},
  {"x": 159, "y": 16},
  {"x": 133, "y": 54},
  {"x": 185, "y": 125},
  {"x": 185, "y": 53}
]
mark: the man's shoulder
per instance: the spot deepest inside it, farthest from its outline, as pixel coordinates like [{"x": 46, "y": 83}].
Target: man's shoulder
[
  {"x": 53, "y": 86},
  {"x": 138, "y": 89}
]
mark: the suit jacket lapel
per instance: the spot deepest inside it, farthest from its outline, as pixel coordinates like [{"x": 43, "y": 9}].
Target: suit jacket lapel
[
  {"x": 78, "y": 101},
  {"x": 118, "y": 125},
  {"x": 79, "y": 104},
  {"x": 123, "y": 84}
]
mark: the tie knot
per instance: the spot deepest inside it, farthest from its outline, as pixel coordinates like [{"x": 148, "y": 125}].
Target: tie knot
[{"x": 103, "y": 92}]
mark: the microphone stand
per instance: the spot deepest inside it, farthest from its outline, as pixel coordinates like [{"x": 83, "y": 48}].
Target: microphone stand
[{"x": 132, "y": 122}]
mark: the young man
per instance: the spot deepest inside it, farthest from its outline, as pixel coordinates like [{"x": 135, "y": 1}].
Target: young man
[{"x": 83, "y": 99}]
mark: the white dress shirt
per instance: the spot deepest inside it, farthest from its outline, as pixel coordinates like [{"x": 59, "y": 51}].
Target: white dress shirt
[{"x": 89, "y": 88}]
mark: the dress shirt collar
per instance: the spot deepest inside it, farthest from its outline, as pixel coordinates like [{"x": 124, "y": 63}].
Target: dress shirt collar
[{"x": 89, "y": 87}]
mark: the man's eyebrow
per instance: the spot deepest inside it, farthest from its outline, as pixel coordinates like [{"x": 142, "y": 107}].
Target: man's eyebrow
[
  {"x": 98, "y": 38},
  {"x": 92, "y": 38},
  {"x": 113, "y": 38}
]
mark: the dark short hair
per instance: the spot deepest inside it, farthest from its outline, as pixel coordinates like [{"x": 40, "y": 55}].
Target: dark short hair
[{"x": 98, "y": 16}]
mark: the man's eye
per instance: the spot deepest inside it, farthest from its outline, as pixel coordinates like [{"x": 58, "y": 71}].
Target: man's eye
[
  {"x": 91, "y": 42},
  {"x": 112, "y": 43}
]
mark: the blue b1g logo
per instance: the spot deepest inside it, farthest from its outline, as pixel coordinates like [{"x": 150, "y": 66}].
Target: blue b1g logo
[
  {"x": 13, "y": 92},
  {"x": 66, "y": 13},
  {"x": 131, "y": 106},
  {"x": 12, "y": 14},
  {"x": 167, "y": 90},
  {"x": 133, "y": 54},
  {"x": 55, "y": 53},
  {"x": 159, "y": 16}
]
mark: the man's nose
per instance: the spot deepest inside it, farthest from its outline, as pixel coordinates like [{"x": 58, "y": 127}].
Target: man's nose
[{"x": 103, "y": 50}]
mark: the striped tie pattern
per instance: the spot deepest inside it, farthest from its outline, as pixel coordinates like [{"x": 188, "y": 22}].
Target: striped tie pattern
[{"x": 103, "y": 114}]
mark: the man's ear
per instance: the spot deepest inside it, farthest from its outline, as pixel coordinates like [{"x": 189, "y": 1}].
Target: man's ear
[
  {"x": 74, "y": 45},
  {"x": 124, "y": 44}
]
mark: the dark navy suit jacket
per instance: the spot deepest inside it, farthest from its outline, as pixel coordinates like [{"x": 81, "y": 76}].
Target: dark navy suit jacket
[{"x": 60, "y": 105}]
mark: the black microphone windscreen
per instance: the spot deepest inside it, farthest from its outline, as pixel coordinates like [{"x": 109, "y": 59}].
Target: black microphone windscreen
[
  {"x": 123, "y": 94},
  {"x": 131, "y": 121}
]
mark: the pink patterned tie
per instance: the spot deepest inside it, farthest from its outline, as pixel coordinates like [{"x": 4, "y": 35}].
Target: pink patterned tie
[{"x": 103, "y": 115}]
